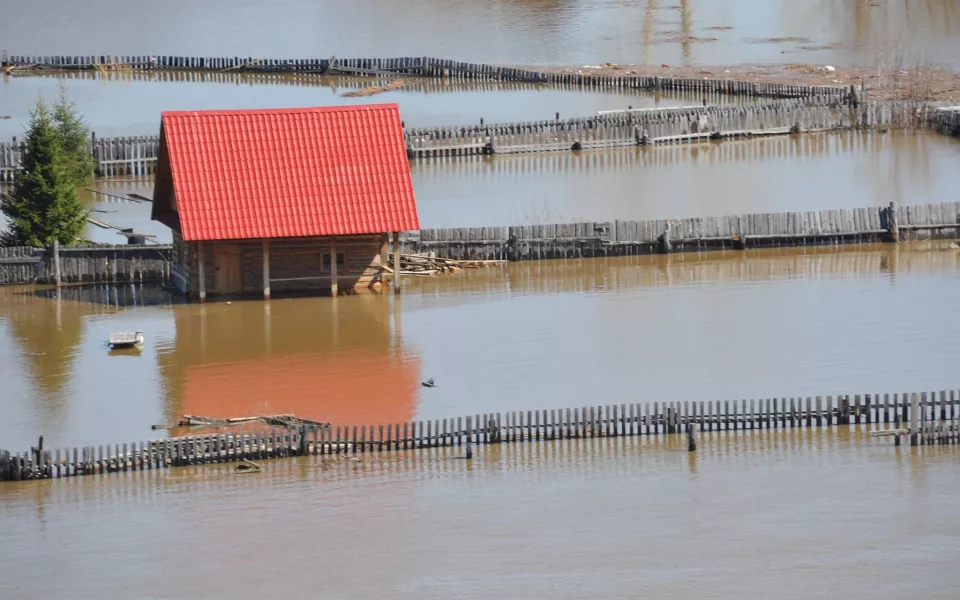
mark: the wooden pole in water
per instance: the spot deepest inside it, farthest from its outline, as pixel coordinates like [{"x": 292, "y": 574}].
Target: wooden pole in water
[
  {"x": 893, "y": 225},
  {"x": 692, "y": 437},
  {"x": 665, "y": 244},
  {"x": 914, "y": 416}
]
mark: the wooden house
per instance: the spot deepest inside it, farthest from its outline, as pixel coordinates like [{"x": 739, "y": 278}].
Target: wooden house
[{"x": 286, "y": 200}]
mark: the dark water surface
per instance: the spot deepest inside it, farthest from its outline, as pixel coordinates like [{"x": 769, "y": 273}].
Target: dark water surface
[
  {"x": 554, "y": 334},
  {"x": 791, "y": 514},
  {"x": 566, "y": 32}
]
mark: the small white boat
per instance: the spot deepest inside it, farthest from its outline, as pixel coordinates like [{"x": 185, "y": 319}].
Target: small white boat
[{"x": 125, "y": 339}]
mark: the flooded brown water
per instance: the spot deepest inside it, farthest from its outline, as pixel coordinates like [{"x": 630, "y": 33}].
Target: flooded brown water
[
  {"x": 784, "y": 514},
  {"x": 561, "y": 32},
  {"x": 791, "y": 514},
  {"x": 525, "y": 335}
]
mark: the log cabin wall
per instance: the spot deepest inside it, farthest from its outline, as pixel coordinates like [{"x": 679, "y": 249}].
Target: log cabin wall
[{"x": 297, "y": 265}]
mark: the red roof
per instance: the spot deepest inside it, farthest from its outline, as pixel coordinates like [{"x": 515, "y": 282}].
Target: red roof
[{"x": 240, "y": 174}]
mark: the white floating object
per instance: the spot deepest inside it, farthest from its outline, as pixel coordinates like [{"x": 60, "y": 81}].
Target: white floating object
[
  {"x": 829, "y": 68},
  {"x": 125, "y": 339}
]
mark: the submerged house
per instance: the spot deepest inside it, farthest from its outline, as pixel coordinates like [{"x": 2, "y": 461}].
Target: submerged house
[{"x": 286, "y": 200}]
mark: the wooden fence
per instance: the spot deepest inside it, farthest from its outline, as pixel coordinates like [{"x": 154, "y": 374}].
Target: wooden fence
[
  {"x": 351, "y": 83},
  {"x": 132, "y": 263},
  {"x": 689, "y": 124},
  {"x": 934, "y": 419},
  {"x": 419, "y": 66},
  {"x": 137, "y": 156},
  {"x": 134, "y": 156},
  {"x": 625, "y": 238}
]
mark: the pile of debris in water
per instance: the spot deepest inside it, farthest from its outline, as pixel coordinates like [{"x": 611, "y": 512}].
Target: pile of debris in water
[
  {"x": 289, "y": 421},
  {"x": 421, "y": 264}
]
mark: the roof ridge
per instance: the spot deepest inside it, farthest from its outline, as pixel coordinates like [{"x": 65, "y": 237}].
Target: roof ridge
[{"x": 269, "y": 111}]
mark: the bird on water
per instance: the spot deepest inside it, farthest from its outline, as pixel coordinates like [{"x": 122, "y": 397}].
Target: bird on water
[{"x": 428, "y": 383}]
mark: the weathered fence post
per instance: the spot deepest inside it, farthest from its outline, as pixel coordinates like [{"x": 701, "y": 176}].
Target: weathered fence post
[
  {"x": 302, "y": 449},
  {"x": 665, "y": 240},
  {"x": 914, "y": 417},
  {"x": 692, "y": 437},
  {"x": 896, "y": 426},
  {"x": 893, "y": 226},
  {"x": 493, "y": 431}
]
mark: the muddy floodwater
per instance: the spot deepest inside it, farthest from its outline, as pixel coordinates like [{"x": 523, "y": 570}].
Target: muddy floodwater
[
  {"x": 787, "y": 514},
  {"x": 554, "y": 334},
  {"x": 564, "y": 32},
  {"x": 792, "y": 515}
]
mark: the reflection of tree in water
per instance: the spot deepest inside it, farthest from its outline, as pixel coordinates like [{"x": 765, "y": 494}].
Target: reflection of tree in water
[
  {"x": 47, "y": 327},
  {"x": 48, "y": 332}
]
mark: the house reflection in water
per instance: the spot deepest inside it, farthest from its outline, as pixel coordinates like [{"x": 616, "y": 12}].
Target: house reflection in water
[{"x": 331, "y": 360}]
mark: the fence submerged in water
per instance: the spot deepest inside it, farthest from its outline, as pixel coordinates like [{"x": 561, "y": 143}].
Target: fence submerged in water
[
  {"x": 131, "y": 263},
  {"x": 934, "y": 418},
  {"x": 137, "y": 156},
  {"x": 151, "y": 263},
  {"x": 790, "y": 108},
  {"x": 412, "y": 66},
  {"x": 627, "y": 238}
]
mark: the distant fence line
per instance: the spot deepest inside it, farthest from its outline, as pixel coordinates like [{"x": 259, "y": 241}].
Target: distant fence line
[
  {"x": 660, "y": 126},
  {"x": 624, "y": 238},
  {"x": 347, "y": 83},
  {"x": 137, "y": 156},
  {"x": 131, "y": 263},
  {"x": 419, "y": 66},
  {"x": 933, "y": 419}
]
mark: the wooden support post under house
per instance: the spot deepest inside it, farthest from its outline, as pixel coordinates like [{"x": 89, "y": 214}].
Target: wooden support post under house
[
  {"x": 266, "y": 269},
  {"x": 333, "y": 268},
  {"x": 201, "y": 259},
  {"x": 384, "y": 255},
  {"x": 396, "y": 262}
]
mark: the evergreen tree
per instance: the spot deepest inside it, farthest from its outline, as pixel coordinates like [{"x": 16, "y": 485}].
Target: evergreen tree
[
  {"x": 43, "y": 205},
  {"x": 74, "y": 137}
]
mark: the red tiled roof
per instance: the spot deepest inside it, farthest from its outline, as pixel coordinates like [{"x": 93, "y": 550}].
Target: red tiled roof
[{"x": 240, "y": 174}]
